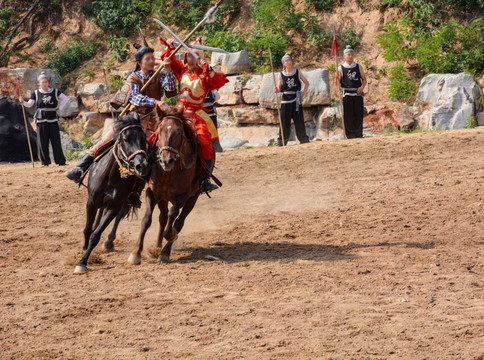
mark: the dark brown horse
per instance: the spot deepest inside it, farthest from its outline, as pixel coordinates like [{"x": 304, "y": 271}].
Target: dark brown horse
[
  {"x": 112, "y": 179},
  {"x": 174, "y": 179}
]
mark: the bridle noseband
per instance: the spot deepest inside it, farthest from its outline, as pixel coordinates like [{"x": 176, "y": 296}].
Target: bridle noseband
[{"x": 124, "y": 162}]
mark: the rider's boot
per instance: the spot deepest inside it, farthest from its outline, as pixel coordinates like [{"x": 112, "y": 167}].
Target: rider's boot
[
  {"x": 207, "y": 186},
  {"x": 76, "y": 173},
  {"x": 134, "y": 197}
]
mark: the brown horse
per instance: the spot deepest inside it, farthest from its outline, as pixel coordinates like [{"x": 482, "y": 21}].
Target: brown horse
[{"x": 174, "y": 179}]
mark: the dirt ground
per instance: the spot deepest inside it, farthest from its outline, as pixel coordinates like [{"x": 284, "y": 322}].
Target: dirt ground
[{"x": 364, "y": 249}]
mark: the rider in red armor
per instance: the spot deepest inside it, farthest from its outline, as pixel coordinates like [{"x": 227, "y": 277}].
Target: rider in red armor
[{"x": 196, "y": 78}]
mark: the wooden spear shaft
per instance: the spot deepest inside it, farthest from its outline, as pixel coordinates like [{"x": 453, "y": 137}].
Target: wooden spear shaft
[
  {"x": 338, "y": 89},
  {"x": 26, "y": 125},
  {"x": 277, "y": 100}
]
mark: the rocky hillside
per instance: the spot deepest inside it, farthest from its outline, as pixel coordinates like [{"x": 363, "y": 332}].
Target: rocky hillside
[
  {"x": 94, "y": 39},
  {"x": 399, "y": 42}
]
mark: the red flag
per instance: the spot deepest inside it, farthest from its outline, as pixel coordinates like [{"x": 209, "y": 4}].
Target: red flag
[
  {"x": 17, "y": 88},
  {"x": 334, "y": 48}
]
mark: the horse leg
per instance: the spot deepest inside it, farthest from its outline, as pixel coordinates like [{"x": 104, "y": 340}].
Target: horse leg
[
  {"x": 187, "y": 209},
  {"x": 108, "y": 216},
  {"x": 163, "y": 218},
  {"x": 135, "y": 256},
  {"x": 108, "y": 245},
  {"x": 98, "y": 218},
  {"x": 170, "y": 233},
  {"x": 90, "y": 216}
]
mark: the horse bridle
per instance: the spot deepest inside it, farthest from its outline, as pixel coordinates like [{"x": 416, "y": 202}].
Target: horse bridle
[
  {"x": 178, "y": 154},
  {"x": 124, "y": 163}
]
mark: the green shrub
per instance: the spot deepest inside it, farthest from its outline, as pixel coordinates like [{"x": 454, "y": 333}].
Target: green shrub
[
  {"x": 258, "y": 48},
  {"x": 115, "y": 82},
  {"x": 119, "y": 15},
  {"x": 70, "y": 56},
  {"x": 275, "y": 15},
  {"x": 6, "y": 13},
  {"x": 349, "y": 37},
  {"x": 119, "y": 47},
  {"x": 190, "y": 12},
  {"x": 451, "y": 48},
  {"x": 223, "y": 39},
  {"x": 316, "y": 34},
  {"x": 46, "y": 45},
  {"x": 322, "y": 4},
  {"x": 400, "y": 86},
  {"x": 471, "y": 122}
]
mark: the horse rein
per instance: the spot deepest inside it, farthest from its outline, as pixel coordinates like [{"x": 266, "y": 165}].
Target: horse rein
[{"x": 125, "y": 169}]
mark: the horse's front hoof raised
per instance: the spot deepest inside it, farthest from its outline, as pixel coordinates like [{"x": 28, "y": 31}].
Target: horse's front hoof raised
[
  {"x": 134, "y": 259},
  {"x": 108, "y": 246},
  {"x": 80, "y": 269}
]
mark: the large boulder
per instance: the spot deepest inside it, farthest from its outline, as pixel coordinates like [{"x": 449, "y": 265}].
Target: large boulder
[
  {"x": 231, "y": 93},
  {"x": 232, "y": 63},
  {"x": 256, "y": 115},
  {"x": 67, "y": 143},
  {"x": 327, "y": 118},
  {"x": 90, "y": 94},
  {"x": 250, "y": 90},
  {"x": 446, "y": 101},
  {"x": 13, "y": 135},
  {"x": 71, "y": 107},
  {"x": 318, "y": 92},
  {"x": 247, "y": 115},
  {"x": 28, "y": 80},
  {"x": 93, "y": 122},
  {"x": 392, "y": 118},
  {"x": 254, "y": 135}
]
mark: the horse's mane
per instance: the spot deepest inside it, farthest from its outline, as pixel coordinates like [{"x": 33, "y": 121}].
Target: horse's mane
[{"x": 122, "y": 122}]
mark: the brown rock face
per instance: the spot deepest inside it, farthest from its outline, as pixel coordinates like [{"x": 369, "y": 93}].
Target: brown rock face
[{"x": 389, "y": 119}]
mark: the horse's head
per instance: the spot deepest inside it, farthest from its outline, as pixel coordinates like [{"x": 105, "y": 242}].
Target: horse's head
[
  {"x": 170, "y": 135},
  {"x": 131, "y": 143}
]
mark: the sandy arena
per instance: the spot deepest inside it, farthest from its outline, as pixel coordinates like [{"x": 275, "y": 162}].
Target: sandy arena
[{"x": 366, "y": 249}]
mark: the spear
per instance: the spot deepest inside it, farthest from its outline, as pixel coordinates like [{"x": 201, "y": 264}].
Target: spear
[
  {"x": 209, "y": 18},
  {"x": 25, "y": 121},
  {"x": 334, "y": 52},
  {"x": 107, "y": 90},
  {"x": 277, "y": 100}
]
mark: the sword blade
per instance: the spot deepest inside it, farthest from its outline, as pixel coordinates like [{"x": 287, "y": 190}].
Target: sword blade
[
  {"x": 177, "y": 38},
  {"x": 204, "y": 48}
]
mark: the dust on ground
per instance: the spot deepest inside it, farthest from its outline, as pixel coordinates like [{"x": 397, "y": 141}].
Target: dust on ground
[{"x": 367, "y": 248}]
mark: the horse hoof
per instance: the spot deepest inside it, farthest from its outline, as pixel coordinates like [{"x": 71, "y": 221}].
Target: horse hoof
[
  {"x": 80, "y": 269},
  {"x": 134, "y": 259},
  {"x": 164, "y": 259},
  {"x": 108, "y": 246}
]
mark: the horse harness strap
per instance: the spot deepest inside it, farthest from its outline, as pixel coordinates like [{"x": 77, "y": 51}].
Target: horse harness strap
[{"x": 124, "y": 169}]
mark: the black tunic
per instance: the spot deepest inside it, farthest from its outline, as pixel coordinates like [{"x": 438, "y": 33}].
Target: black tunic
[
  {"x": 46, "y": 105},
  {"x": 351, "y": 77},
  {"x": 291, "y": 84}
]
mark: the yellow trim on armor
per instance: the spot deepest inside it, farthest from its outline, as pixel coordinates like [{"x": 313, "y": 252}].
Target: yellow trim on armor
[
  {"x": 196, "y": 86},
  {"x": 210, "y": 124}
]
